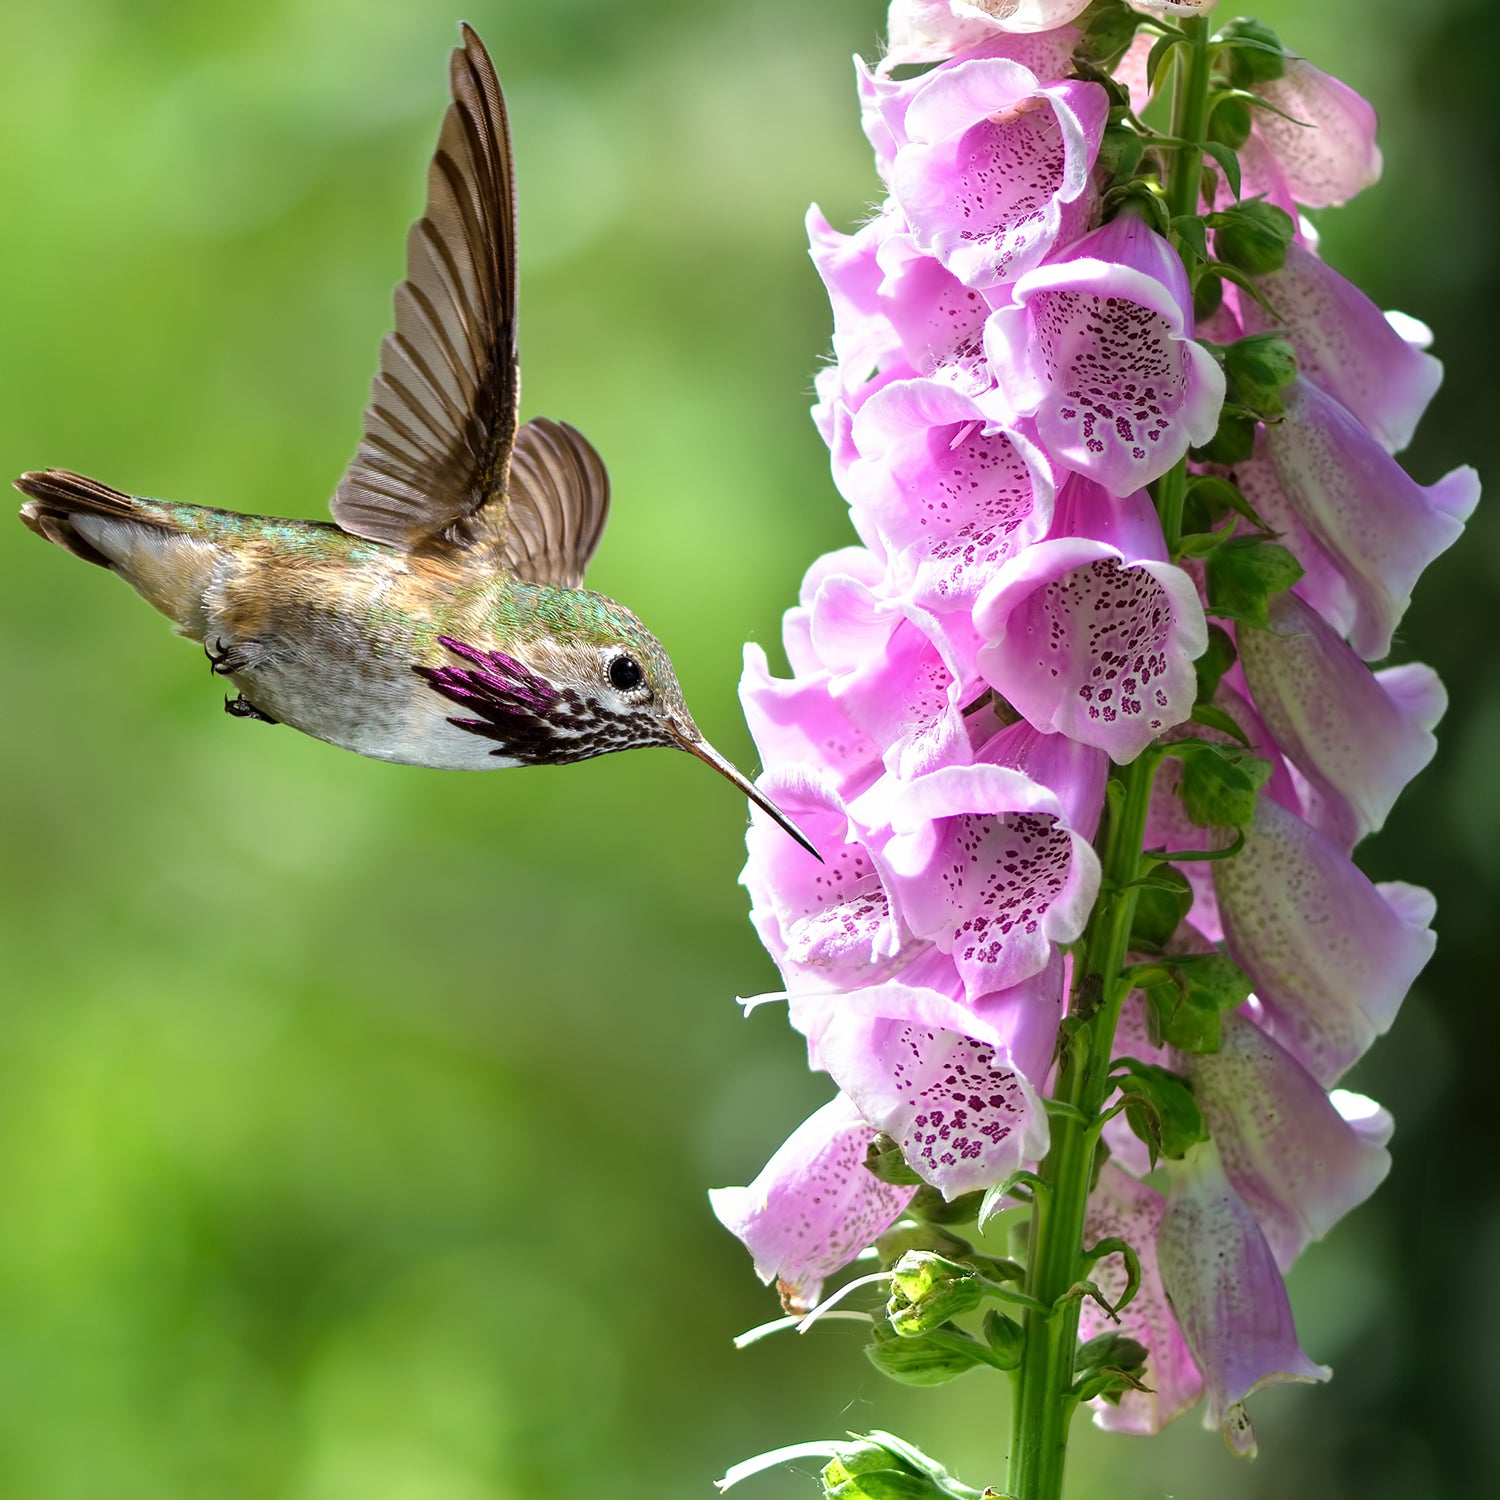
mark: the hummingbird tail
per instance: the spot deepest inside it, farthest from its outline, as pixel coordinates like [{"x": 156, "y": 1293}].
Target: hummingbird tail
[{"x": 138, "y": 539}]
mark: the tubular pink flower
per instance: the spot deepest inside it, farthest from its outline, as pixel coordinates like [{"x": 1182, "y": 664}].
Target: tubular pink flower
[
  {"x": 1092, "y": 641},
  {"x": 1326, "y": 150},
  {"x": 929, "y": 30},
  {"x": 1346, "y": 346},
  {"x": 1098, "y": 348},
  {"x": 1288, "y": 1152},
  {"x": 1331, "y": 955},
  {"x": 981, "y": 863},
  {"x": 995, "y": 166},
  {"x": 1227, "y": 1293},
  {"x": 938, "y": 321},
  {"x": 813, "y": 1207},
  {"x": 1356, "y": 736},
  {"x": 951, "y": 496},
  {"x": 1378, "y": 526},
  {"x": 827, "y": 924},
  {"x": 1122, "y": 1208},
  {"x": 955, "y": 1082},
  {"x": 863, "y": 340}
]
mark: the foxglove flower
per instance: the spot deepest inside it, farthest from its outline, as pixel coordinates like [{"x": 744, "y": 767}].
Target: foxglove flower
[
  {"x": 813, "y": 1207},
  {"x": 995, "y": 166},
  {"x": 1378, "y": 527},
  {"x": 1098, "y": 348},
  {"x": 1331, "y": 954},
  {"x": 1092, "y": 639},
  {"x": 1227, "y": 1294},
  {"x": 1322, "y": 139},
  {"x": 930, "y": 30}
]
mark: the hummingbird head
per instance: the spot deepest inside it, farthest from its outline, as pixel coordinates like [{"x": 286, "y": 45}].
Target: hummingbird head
[{"x": 588, "y": 680}]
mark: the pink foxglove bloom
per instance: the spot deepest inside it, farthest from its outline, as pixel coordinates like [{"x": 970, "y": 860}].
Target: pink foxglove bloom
[
  {"x": 1331, "y": 954},
  {"x": 996, "y": 166},
  {"x": 813, "y": 1207},
  {"x": 1227, "y": 1294},
  {"x": 1098, "y": 348},
  {"x": 1377, "y": 525},
  {"x": 1091, "y": 639},
  {"x": 1323, "y": 140},
  {"x": 930, "y": 30},
  {"x": 950, "y": 496},
  {"x": 1287, "y": 1150},
  {"x": 1122, "y": 1208},
  {"x": 1346, "y": 346},
  {"x": 1356, "y": 736}
]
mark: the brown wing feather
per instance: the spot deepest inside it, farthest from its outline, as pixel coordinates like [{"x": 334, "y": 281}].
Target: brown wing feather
[
  {"x": 555, "y": 508},
  {"x": 442, "y": 416}
]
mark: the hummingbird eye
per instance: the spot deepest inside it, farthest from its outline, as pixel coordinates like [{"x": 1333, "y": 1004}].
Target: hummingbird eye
[{"x": 625, "y": 673}]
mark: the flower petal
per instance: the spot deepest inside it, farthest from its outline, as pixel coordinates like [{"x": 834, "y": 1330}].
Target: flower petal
[
  {"x": 1331, "y": 955},
  {"x": 813, "y": 1207},
  {"x": 1227, "y": 1293},
  {"x": 1327, "y": 149}
]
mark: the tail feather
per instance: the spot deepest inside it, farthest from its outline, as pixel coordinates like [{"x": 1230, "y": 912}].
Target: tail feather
[{"x": 56, "y": 496}]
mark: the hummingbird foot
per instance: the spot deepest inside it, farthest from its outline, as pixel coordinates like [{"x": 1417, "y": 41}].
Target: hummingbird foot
[
  {"x": 242, "y": 708},
  {"x": 225, "y": 661}
]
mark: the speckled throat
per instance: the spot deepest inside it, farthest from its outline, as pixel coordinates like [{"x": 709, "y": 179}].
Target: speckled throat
[{"x": 530, "y": 719}]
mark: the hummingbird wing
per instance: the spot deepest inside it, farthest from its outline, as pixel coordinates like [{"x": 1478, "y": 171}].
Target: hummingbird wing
[{"x": 441, "y": 459}]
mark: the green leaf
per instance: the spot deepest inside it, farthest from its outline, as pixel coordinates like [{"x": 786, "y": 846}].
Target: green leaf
[
  {"x": 1209, "y": 496},
  {"x": 1211, "y": 716},
  {"x": 929, "y": 1359},
  {"x": 1158, "y": 58},
  {"x": 1160, "y": 905},
  {"x": 1191, "y": 234},
  {"x": 1183, "y": 1010},
  {"x": 1233, "y": 443},
  {"x": 1229, "y": 163},
  {"x": 929, "y": 1205},
  {"x": 1215, "y": 662},
  {"x": 1219, "y": 783},
  {"x": 896, "y": 1242},
  {"x": 883, "y": 1159},
  {"x": 1109, "y": 26},
  {"x": 1120, "y": 152},
  {"x": 1160, "y": 1108},
  {"x": 1243, "y": 574},
  {"x": 1208, "y": 297}
]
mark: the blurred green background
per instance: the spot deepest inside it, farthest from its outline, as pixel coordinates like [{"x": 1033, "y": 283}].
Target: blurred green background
[{"x": 355, "y": 1121}]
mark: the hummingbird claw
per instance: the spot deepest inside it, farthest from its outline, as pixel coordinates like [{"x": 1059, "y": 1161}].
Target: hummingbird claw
[
  {"x": 241, "y": 708},
  {"x": 239, "y": 656}
]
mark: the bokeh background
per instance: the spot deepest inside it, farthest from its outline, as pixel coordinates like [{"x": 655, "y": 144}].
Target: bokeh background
[{"x": 355, "y": 1121}]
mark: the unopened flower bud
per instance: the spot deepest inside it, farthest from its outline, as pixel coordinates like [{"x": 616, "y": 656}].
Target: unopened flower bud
[
  {"x": 1260, "y": 367},
  {"x": 1005, "y": 1336},
  {"x": 928, "y": 1290},
  {"x": 1253, "y": 236},
  {"x": 884, "y": 1467},
  {"x": 1255, "y": 52}
]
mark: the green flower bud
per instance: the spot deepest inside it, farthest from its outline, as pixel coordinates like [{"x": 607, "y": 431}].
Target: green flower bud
[
  {"x": 1005, "y": 1336},
  {"x": 1253, "y": 236},
  {"x": 1260, "y": 366},
  {"x": 925, "y": 1360},
  {"x": 1207, "y": 296},
  {"x": 895, "y": 1243},
  {"x": 928, "y": 1290},
  {"x": 884, "y": 1467},
  {"x": 929, "y": 1205},
  {"x": 1229, "y": 123},
  {"x": 1233, "y": 443},
  {"x": 1255, "y": 53}
]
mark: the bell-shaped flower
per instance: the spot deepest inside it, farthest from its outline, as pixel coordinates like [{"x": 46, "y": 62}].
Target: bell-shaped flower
[
  {"x": 1286, "y": 1149},
  {"x": 796, "y": 722},
  {"x": 955, "y": 1081},
  {"x": 863, "y": 339},
  {"x": 1379, "y": 527},
  {"x": 860, "y": 563},
  {"x": 908, "y": 692},
  {"x": 1331, "y": 954},
  {"x": 1356, "y": 736},
  {"x": 1227, "y": 1294},
  {"x": 982, "y": 863},
  {"x": 813, "y": 1207},
  {"x": 929, "y": 30},
  {"x": 951, "y": 496},
  {"x": 1323, "y": 139},
  {"x": 996, "y": 166},
  {"x": 1098, "y": 347},
  {"x": 1093, "y": 633},
  {"x": 937, "y": 319},
  {"x": 1075, "y": 773},
  {"x": 1122, "y": 1208},
  {"x": 1346, "y": 346},
  {"x": 825, "y": 924}
]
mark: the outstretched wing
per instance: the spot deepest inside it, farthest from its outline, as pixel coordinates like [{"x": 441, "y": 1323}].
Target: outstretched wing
[{"x": 440, "y": 439}]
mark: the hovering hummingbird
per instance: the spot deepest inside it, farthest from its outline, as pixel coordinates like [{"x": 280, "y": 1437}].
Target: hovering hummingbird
[{"x": 453, "y": 577}]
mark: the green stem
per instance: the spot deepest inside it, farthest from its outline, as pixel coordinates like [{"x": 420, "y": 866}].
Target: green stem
[{"x": 1055, "y": 1263}]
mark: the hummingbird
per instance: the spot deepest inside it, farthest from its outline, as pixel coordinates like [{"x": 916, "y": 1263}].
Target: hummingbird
[{"x": 440, "y": 619}]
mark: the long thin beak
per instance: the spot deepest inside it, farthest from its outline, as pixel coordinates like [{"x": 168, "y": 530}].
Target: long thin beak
[{"x": 697, "y": 745}]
